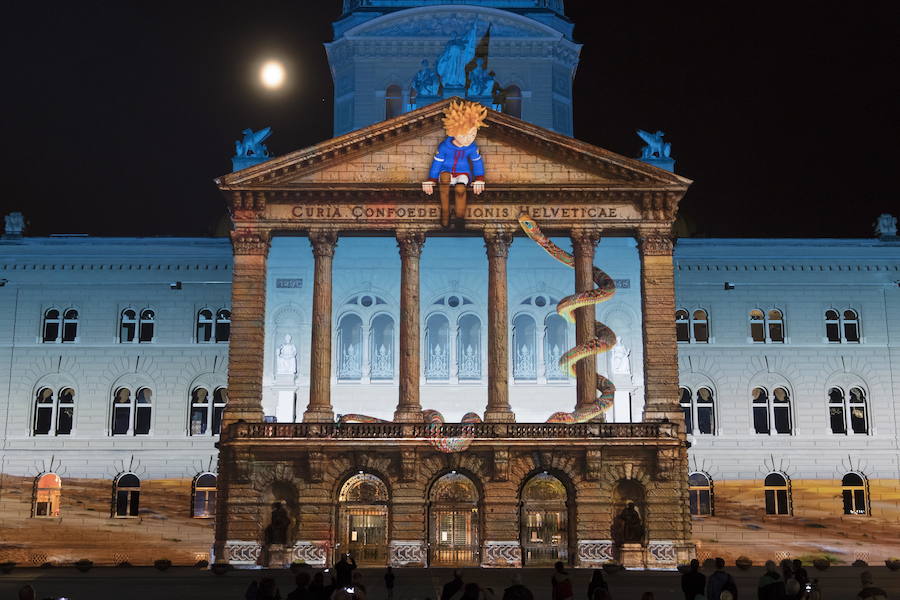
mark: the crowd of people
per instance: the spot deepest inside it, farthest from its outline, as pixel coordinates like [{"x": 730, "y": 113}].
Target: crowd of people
[{"x": 345, "y": 582}]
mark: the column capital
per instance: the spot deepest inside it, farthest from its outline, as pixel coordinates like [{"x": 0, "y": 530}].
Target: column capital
[
  {"x": 410, "y": 242},
  {"x": 584, "y": 240},
  {"x": 323, "y": 241},
  {"x": 497, "y": 241},
  {"x": 654, "y": 242},
  {"x": 252, "y": 242}
]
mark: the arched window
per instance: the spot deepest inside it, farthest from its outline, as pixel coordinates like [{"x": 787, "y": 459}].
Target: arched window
[
  {"x": 70, "y": 325},
  {"x": 349, "y": 347},
  {"x": 847, "y": 416},
  {"x": 772, "y": 413},
  {"x": 147, "y": 327},
  {"x": 468, "y": 348},
  {"x": 204, "y": 326},
  {"x": 853, "y": 490},
  {"x": 437, "y": 347},
  {"x": 777, "y": 494},
  {"x": 223, "y": 325},
  {"x": 199, "y": 411},
  {"x": 54, "y": 414},
  {"x": 512, "y": 103},
  {"x": 687, "y": 407},
  {"x": 52, "y": 326},
  {"x": 545, "y": 520},
  {"x": 127, "y": 326},
  {"x": 454, "y": 521},
  {"x": 556, "y": 342},
  {"x": 700, "y": 494},
  {"x": 767, "y": 327},
  {"x": 700, "y": 326},
  {"x": 220, "y": 399},
  {"x": 363, "y": 518},
  {"x": 842, "y": 327},
  {"x": 203, "y": 503},
  {"x": 132, "y": 415},
  {"x": 127, "y": 494},
  {"x": 682, "y": 326},
  {"x": 381, "y": 348},
  {"x": 524, "y": 348},
  {"x": 47, "y": 495},
  {"x": 393, "y": 102}
]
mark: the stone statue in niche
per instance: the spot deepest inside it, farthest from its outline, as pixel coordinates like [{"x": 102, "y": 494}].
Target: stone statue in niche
[
  {"x": 630, "y": 526},
  {"x": 280, "y": 523},
  {"x": 481, "y": 83},
  {"x": 621, "y": 358},
  {"x": 426, "y": 81},
  {"x": 14, "y": 224},
  {"x": 655, "y": 147},
  {"x": 287, "y": 357},
  {"x": 252, "y": 144},
  {"x": 451, "y": 64},
  {"x": 885, "y": 225}
]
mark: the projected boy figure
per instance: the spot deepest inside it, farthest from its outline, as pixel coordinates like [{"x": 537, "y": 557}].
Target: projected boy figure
[{"x": 457, "y": 161}]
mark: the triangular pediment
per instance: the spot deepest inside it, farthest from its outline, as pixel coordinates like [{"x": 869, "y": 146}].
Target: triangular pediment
[{"x": 398, "y": 152}]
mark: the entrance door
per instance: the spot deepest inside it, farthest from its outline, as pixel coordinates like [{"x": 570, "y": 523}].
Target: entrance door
[
  {"x": 363, "y": 519},
  {"x": 454, "y": 522},
  {"x": 545, "y": 521}
]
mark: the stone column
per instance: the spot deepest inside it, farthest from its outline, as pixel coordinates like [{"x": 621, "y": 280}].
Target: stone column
[
  {"x": 497, "y": 242},
  {"x": 247, "y": 339},
  {"x": 323, "y": 242},
  {"x": 409, "y": 409},
  {"x": 658, "y": 308},
  {"x": 584, "y": 241}
]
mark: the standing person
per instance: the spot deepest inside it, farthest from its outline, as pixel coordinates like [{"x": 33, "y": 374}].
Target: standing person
[
  {"x": 597, "y": 584},
  {"x": 268, "y": 590},
  {"x": 26, "y": 592},
  {"x": 471, "y": 592},
  {"x": 720, "y": 580},
  {"x": 562, "y": 584},
  {"x": 343, "y": 570},
  {"x": 771, "y": 585},
  {"x": 869, "y": 591},
  {"x": 300, "y": 592},
  {"x": 389, "y": 583},
  {"x": 452, "y": 588},
  {"x": 318, "y": 590},
  {"x": 517, "y": 591},
  {"x": 800, "y": 574},
  {"x": 693, "y": 582}
]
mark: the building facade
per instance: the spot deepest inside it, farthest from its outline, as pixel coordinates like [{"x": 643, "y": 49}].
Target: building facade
[{"x": 115, "y": 354}]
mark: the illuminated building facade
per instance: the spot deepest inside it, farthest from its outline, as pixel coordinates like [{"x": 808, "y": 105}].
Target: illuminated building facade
[{"x": 115, "y": 353}]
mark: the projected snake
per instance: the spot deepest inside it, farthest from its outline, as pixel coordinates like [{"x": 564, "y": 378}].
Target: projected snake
[{"x": 604, "y": 339}]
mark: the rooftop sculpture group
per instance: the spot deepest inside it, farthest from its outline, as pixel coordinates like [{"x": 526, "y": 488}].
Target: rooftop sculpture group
[{"x": 450, "y": 72}]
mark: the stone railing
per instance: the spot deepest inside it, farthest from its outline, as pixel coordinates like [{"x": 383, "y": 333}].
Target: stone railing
[{"x": 384, "y": 431}]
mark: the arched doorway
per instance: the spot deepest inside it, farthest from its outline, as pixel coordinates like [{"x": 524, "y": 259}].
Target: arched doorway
[
  {"x": 454, "y": 521},
  {"x": 363, "y": 519},
  {"x": 544, "y": 520}
]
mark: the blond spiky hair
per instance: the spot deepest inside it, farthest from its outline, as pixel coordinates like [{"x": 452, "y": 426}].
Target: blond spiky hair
[{"x": 460, "y": 117}]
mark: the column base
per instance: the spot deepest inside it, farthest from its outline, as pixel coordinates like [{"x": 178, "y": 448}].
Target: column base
[
  {"x": 318, "y": 416},
  {"x": 499, "y": 416},
  {"x": 408, "y": 415},
  {"x": 632, "y": 556}
]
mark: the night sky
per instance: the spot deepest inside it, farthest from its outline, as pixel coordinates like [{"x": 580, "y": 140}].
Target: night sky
[{"x": 118, "y": 115}]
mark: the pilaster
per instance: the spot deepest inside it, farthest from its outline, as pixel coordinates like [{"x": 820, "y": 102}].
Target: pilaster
[{"x": 497, "y": 241}]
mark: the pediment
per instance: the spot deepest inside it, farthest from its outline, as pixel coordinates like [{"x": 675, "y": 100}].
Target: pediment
[
  {"x": 451, "y": 22},
  {"x": 397, "y": 154}
]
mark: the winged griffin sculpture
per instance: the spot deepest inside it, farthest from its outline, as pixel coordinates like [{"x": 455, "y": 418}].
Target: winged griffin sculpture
[
  {"x": 252, "y": 144},
  {"x": 655, "y": 147}
]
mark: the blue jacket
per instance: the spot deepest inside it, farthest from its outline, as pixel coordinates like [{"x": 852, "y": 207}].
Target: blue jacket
[{"x": 457, "y": 160}]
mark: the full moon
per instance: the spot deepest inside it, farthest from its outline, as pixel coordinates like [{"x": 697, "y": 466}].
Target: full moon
[{"x": 272, "y": 74}]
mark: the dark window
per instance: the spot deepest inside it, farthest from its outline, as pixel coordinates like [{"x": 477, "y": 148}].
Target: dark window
[
  {"x": 65, "y": 417},
  {"x": 128, "y": 326},
  {"x": 700, "y": 494},
  {"x": 122, "y": 405},
  {"x": 701, "y": 326},
  {"x": 776, "y": 495},
  {"x": 393, "y": 102},
  {"x": 223, "y": 325},
  {"x": 43, "y": 417},
  {"x": 776, "y": 326},
  {"x": 204, "y": 325},
  {"x": 781, "y": 410},
  {"x": 760, "y": 410},
  {"x": 51, "y": 325},
  {"x": 220, "y": 399},
  {"x": 853, "y": 489},
  {"x": 128, "y": 493},
  {"x": 705, "y": 411},
  {"x": 512, "y": 103},
  {"x": 147, "y": 326},
  {"x": 858, "y": 421},
  {"x": 682, "y": 326},
  {"x": 144, "y": 399},
  {"x": 686, "y": 409},
  {"x": 204, "y": 503},
  {"x": 836, "y": 410},
  {"x": 757, "y": 326},
  {"x": 851, "y": 326},
  {"x": 70, "y": 325}
]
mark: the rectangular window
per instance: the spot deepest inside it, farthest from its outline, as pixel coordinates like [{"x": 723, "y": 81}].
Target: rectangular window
[
  {"x": 761, "y": 419},
  {"x": 859, "y": 502},
  {"x": 701, "y": 333},
  {"x": 126, "y": 333},
  {"x": 776, "y": 332},
  {"x": 64, "y": 426},
  {"x": 705, "y": 419},
  {"x": 69, "y": 331},
  {"x": 832, "y": 331},
  {"x": 223, "y": 331},
  {"x": 851, "y": 332},
  {"x": 121, "y": 419},
  {"x": 858, "y": 419},
  {"x": 688, "y": 422},
  {"x": 146, "y": 332},
  {"x": 700, "y": 502},
  {"x": 757, "y": 331},
  {"x": 204, "y": 331},
  {"x": 43, "y": 420},
  {"x": 127, "y": 503},
  {"x": 142, "y": 422},
  {"x": 198, "y": 420},
  {"x": 837, "y": 419},
  {"x": 848, "y": 502},
  {"x": 776, "y": 502},
  {"x": 782, "y": 419},
  {"x": 204, "y": 503},
  {"x": 217, "y": 419},
  {"x": 51, "y": 331},
  {"x": 681, "y": 331}
]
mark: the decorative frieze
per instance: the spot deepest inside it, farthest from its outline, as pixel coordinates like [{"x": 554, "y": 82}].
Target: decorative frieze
[
  {"x": 242, "y": 553},
  {"x": 593, "y": 553},
  {"x": 314, "y": 554},
  {"x": 501, "y": 464},
  {"x": 655, "y": 244},
  {"x": 593, "y": 467},
  {"x": 502, "y": 554},
  {"x": 250, "y": 242},
  {"x": 403, "y": 553},
  {"x": 408, "y": 465},
  {"x": 316, "y": 466},
  {"x": 662, "y": 553}
]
